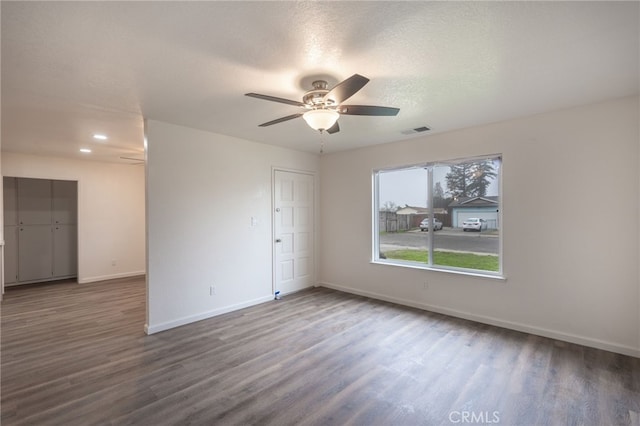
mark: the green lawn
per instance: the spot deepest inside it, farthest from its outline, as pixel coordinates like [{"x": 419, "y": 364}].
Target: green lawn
[{"x": 446, "y": 258}]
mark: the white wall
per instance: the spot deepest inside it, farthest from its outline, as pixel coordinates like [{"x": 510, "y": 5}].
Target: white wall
[
  {"x": 570, "y": 229},
  {"x": 111, "y": 216},
  {"x": 202, "y": 190}
]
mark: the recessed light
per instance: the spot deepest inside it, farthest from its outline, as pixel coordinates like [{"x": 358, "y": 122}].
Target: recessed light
[
  {"x": 85, "y": 150},
  {"x": 100, "y": 137}
]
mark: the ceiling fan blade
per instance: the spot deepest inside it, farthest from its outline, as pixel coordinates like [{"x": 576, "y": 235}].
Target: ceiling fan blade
[
  {"x": 274, "y": 99},
  {"x": 280, "y": 120},
  {"x": 347, "y": 88},
  {"x": 333, "y": 129},
  {"x": 367, "y": 110}
]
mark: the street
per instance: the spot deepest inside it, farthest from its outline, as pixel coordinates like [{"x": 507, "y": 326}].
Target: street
[{"x": 446, "y": 239}]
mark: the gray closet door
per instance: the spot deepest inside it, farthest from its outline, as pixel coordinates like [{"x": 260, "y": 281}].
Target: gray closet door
[
  {"x": 35, "y": 252},
  {"x": 65, "y": 252},
  {"x": 10, "y": 194},
  {"x": 41, "y": 229},
  {"x": 65, "y": 202},
  {"x": 34, "y": 201},
  {"x": 10, "y": 254}
]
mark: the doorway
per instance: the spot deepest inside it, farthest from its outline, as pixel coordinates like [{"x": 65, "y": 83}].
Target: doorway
[{"x": 40, "y": 229}]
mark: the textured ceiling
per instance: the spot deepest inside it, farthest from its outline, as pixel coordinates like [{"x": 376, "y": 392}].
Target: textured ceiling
[{"x": 71, "y": 69}]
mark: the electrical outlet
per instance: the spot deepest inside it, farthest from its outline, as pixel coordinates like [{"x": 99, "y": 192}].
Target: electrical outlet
[
  {"x": 425, "y": 285},
  {"x": 113, "y": 262},
  {"x": 212, "y": 290}
]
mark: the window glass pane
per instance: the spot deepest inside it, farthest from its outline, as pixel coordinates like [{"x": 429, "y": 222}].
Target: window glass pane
[
  {"x": 443, "y": 215},
  {"x": 402, "y": 204},
  {"x": 466, "y": 199}
]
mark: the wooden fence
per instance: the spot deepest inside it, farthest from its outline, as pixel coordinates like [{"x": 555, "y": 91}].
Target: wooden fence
[{"x": 393, "y": 222}]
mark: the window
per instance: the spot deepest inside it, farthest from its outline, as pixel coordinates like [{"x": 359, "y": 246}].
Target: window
[{"x": 441, "y": 215}]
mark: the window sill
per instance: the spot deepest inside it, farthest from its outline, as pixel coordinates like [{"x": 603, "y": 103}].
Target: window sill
[{"x": 469, "y": 273}]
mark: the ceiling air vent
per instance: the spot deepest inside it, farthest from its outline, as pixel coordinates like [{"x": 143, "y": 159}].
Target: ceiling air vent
[{"x": 416, "y": 130}]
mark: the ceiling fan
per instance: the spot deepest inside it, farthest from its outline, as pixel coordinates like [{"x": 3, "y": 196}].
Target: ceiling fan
[{"x": 324, "y": 105}]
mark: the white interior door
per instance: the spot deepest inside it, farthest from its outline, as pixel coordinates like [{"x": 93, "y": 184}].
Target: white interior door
[{"x": 293, "y": 231}]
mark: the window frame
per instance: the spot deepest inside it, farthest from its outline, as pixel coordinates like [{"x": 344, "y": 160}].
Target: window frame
[{"x": 429, "y": 166}]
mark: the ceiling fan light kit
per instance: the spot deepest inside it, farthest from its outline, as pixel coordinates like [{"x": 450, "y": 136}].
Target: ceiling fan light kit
[
  {"x": 325, "y": 106},
  {"x": 321, "y": 119}
]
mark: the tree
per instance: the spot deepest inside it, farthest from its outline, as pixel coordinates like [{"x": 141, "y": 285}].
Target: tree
[
  {"x": 470, "y": 179},
  {"x": 439, "y": 200},
  {"x": 438, "y": 191},
  {"x": 482, "y": 173},
  {"x": 457, "y": 180},
  {"x": 389, "y": 206}
]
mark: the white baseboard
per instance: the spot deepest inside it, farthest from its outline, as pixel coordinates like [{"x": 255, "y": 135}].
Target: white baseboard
[
  {"x": 85, "y": 280},
  {"x": 156, "y": 328},
  {"x": 552, "y": 334}
]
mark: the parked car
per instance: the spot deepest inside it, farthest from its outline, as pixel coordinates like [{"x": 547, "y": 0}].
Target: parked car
[
  {"x": 424, "y": 225},
  {"x": 474, "y": 224}
]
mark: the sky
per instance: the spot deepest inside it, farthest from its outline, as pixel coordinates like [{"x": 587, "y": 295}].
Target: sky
[{"x": 404, "y": 187}]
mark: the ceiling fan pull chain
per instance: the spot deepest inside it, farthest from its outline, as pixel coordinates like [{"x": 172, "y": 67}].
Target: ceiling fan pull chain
[{"x": 321, "y": 142}]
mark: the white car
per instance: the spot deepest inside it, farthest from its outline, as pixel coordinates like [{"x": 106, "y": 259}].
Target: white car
[
  {"x": 474, "y": 224},
  {"x": 424, "y": 225}
]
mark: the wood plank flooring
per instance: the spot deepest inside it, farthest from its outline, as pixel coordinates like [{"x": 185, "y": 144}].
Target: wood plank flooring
[{"x": 77, "y": 355}]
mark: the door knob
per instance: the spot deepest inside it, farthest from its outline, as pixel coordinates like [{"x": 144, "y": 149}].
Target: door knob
[{"x": 278, "y": 240}]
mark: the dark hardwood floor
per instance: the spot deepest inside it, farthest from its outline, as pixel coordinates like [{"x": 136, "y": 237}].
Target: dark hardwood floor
[{"x": 77, "y": 355}]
